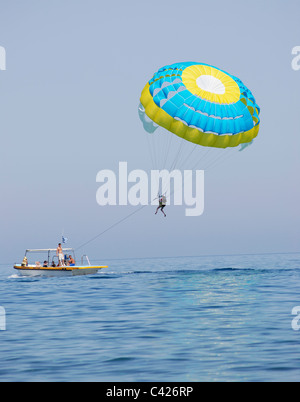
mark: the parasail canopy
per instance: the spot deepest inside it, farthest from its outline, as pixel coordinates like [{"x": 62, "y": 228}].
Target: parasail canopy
[{"x": 201, "y": 104}]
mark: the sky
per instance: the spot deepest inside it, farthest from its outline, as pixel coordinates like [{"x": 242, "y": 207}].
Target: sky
[{"x": 68, "y": 109}]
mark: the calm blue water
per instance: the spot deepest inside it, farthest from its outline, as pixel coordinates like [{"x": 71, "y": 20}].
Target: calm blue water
[{"x": 218, "y": 318}]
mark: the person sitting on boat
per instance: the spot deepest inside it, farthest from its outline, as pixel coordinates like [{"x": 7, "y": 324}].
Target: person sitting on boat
[
  {"x": 162, "y": 203},
  {"x": 45, "y": 264},
  {"x": 53, "y": 264},
  {"x": 71, "y": 261},
  {"x": 60, "y": 255},
  {"x": 24, "y": 262},
  {"x": 38, "y": 264}
]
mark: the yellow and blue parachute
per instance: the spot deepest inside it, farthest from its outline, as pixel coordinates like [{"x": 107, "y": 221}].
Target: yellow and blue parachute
[{"x": 201, "y": 104}]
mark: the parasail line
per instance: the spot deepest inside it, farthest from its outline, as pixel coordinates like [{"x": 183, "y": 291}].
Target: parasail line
[{"x": 110, "y": 227}]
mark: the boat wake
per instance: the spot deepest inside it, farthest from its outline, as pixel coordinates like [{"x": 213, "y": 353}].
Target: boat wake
[{"x": 14, "y": 276}]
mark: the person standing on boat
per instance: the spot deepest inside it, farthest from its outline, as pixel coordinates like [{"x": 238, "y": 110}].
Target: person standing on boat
[{"x": 60, "y": 255}]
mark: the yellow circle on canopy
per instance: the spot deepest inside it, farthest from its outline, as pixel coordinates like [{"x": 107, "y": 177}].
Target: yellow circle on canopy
[{"x": 211, "y": 84}]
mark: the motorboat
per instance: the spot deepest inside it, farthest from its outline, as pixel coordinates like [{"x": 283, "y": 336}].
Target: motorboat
[{"x": 50, "y": 265}]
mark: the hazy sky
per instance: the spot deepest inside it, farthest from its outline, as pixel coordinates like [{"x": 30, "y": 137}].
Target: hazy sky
[{"x": 68, "y": 109}]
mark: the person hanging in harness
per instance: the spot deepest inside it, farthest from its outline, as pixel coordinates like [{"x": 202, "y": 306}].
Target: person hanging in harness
[{"x": 162, "y": 203}]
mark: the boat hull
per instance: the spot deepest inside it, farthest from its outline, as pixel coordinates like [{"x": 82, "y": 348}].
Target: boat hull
[{"x": 58, "y": 271}]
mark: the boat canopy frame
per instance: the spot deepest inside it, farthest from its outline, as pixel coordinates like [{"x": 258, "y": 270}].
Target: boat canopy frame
[{"x": 49, "y": 251}]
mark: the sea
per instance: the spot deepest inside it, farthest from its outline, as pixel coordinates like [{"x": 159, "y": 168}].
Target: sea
[{"x": 230, "y": 318}]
